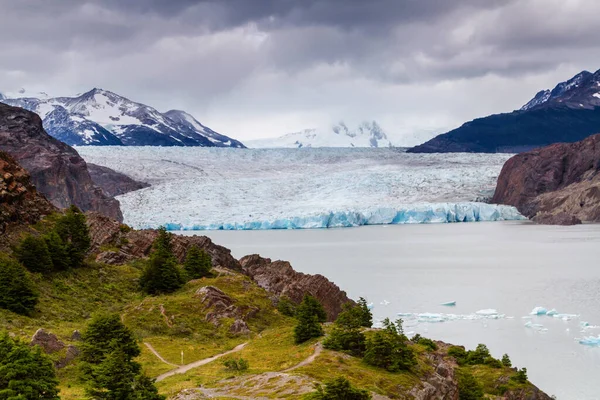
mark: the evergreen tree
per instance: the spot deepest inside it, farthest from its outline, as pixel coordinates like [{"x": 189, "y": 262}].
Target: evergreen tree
[
  {"x": 388, "y": 348},
  {"x": 58, "y": 252},
  {"x": 33, "y": 253},
  {"x": 338, "y": 389},
  {"x": 286, "y": 307},
  {"x": 311, "y": 306},
  {"x": 347, "y": 334},
  {"x": 25, "y": 372},
  {"x": 310, "y": 313},
  {"x": 107, "y": 353},
  {"x": 468, "y": 387},
  {"x": 17, "y": 292},
  {"x": 366, "y": 317},
  {"x": 75, "y": 234},
  {"x": 161, "y": 274},
  {"x": 506, "y": 361},
  {"x": 197, "y": 263}
]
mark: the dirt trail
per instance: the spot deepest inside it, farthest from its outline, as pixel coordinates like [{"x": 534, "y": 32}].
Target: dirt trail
[
  {"x": 185, "y": 368},
  {"x": 308, "y": 360},
  {"x": 149, "y": 346}
]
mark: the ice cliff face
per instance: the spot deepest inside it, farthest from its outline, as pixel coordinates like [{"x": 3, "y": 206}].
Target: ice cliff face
[
  {"x": 367, "y": 134},
  {"x": 301, "y": 188},
  {"x": 100, "y": 117}
]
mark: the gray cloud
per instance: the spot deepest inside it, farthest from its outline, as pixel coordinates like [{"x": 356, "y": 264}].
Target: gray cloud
[{"x": 264, "y": 67}]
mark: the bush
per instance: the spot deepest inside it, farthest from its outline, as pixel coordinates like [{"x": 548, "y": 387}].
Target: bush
[
  {"x": 506, "y": 361},
  {"x": 310, "y": 314},
  {"x": 468, "y": 387},
  {"x": 286, "y": 307},
  {"x": 355, "y": 315},
  {"x": 75, "y": 235},
  {"x": 237, "y": 365},
  {"x": 427, "y": 343},
  {"x": 520, "y": 376},
  {"x": 459, "y": 353},
  {"x": 388, "y": 348},
  {"x": 17, "y": 292},
  {"x": 33, "y": 253},
  {"x": 58, "y": 252},
  {"x": 25, "y": 372},
  {"x": 107, "y": 353},
  {"x": 338, "y": 389},
  {"x": 161, "y": 274},
  {"x": 351, "y": 340},
  {"x": 197, "y": 263}
]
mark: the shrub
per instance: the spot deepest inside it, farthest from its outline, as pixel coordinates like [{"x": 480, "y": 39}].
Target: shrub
[
  {"x": 506, "y": 361},
  {"x": 351, "y": 340},
  {"x": 33, "y": 253},
  {"x": 25, "y": 372},
  {"x": 338, "y": 389},
  {"x": 197, "y": 263},
  {"x": 286, "y": 307},
  {"x": 237, "y": 365},
  {"x": 355, "y": 315},
  {"x": 388, "y": 348},
  {"x": 58, "y": 251},
  {"x": 427, "y": 343},
  {"x": 520, "y": 376},
  {"x": 311, "y": 306},
  {"x": 459, "y": 353},
  {"x": 161, "y": 274},
  {"x": 468, "y": 387},
  {"x": 17, "y": 292}
]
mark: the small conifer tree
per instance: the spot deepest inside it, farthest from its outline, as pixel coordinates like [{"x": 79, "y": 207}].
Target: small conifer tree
[
  {"x": 338, "y": 389},
  {"x": 33, "y": 253},
  {"x": 17, "y": 292},
  {"x": 75, "y": 234},
  {"x": 58, "y": 252},
  {"x": 506, "y": 361},
  {"x": 161, "y": 274},
  {"x": 310, "y": 314},
  {"x": 197, "y": 263}
]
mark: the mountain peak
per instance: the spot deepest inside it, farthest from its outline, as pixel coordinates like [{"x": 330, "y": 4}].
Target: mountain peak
[{"x": 581, "y": 91}]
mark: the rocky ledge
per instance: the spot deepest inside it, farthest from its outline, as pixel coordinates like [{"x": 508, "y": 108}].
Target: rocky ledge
[
  {"x": 557, "y": 184},
  {"x": 20, "y": 203},
  {"x": 278, "y": 277}
]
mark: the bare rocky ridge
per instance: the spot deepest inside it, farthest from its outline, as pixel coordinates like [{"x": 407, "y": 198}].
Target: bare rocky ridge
[
  {"x": 113, "y": 183},
  {"x": 56, "y": 169},
  {"x": 20, "y": 202},
  {"x": 279, "y": 277},
  {"x": 557, "y": 184}
]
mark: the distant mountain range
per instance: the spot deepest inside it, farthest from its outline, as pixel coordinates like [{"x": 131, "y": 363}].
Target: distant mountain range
[
  {"x": 568, "y": 113},
  {"x": 100, "y": 117},
  {"x": 367, "y": 134}
]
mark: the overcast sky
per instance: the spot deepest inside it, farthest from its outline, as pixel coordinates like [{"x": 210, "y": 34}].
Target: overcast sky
[{"x": 260, "y": 68}]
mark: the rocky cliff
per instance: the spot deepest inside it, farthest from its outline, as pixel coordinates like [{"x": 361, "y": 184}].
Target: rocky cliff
[
  {"x": 112, "y": 182},
  {"x": 559, "y": 183},
  {"x": 279, "y": 277},
  {"x": 56, "y": 169},
  {"x": 20, "y": 202}
]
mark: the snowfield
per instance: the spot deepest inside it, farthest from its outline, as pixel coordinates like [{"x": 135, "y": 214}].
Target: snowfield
[{"x": 220, "y": 188}]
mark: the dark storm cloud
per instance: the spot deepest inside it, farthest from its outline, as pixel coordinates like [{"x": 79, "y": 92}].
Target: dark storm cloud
[{"x": 280, "y": 56}]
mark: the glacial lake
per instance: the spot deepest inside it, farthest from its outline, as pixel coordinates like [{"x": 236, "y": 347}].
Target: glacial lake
[{"x": 511, "y": 267}]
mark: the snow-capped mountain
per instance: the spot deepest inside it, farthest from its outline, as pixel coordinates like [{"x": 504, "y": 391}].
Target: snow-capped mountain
[
  {"x": 367, "y": 134},
  {"x": 100, "y": 117},
  {"x": 581, "y": 91}
]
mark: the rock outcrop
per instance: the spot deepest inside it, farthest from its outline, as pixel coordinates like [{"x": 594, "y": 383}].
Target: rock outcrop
[
  {"x": 47, "y": 341},
  {"x": 555, "y": 184},
  {"x": 129, "y": 245},
  {"x": 56, "y": 169},
  {"x": 113, "y": 183},
  {"x": 20, "y": 202},
  {"x": 218, "y": 305},
  {"x": 279, "y": 278}
]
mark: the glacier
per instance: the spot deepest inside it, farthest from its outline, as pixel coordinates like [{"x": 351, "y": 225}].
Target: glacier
[{"x": 247, "y": 189}]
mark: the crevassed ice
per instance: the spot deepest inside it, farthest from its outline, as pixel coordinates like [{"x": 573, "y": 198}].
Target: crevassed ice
[{"x": 208, "y": 188}]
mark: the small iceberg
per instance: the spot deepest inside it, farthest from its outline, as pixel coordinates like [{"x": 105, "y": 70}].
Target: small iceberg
[
  {"x": 536, "y": 327},
  {"x": 552, "y": 312},
  {"x": 590, "y": 341},
  {"x": 449, "y": 303},
  {"x": 539, "y": 311},
  {"x": 488, "y": 312},
  {"x": 385, "y": 303},
  {"x": 370, "y": 306}
]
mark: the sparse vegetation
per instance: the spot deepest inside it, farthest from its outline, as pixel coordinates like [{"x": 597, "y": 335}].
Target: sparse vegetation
[
  {"x": 338, "y": 389},
  {"x": 236, "y": 364}
]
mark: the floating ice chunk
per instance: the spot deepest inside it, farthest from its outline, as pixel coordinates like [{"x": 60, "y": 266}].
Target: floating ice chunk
[
  {"x": 487, "y": 312},
  {"x": 400, "y": 314},
  {"x": 370, "y": 306},
  {"x": 449, "y": 303},
  {"x": 539, "y": 311},
  {"x": 385, "y": 303},
  {"x": 536, "y": 327},
  {"x": 566, "y": 317},
  {"x": 590, "y": 341},
  {"x": 552, "y": 312},
  {"x": 584, "y": 324},
  {"x": 431, "y": 317}
]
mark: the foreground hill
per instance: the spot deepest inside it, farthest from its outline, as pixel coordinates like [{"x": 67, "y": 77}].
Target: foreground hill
[
  {"x": 555, "y": 184},
  {"x": 367, "y": 134},
  {"x": 100, "y": 117},
  {"x": 568, "y": 113}
]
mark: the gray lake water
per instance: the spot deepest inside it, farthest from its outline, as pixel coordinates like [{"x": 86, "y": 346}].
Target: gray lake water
[{"x": 508, "y": 266}]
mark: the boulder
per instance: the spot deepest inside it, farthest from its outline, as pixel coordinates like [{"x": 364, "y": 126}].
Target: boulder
[
  {"x": 47, "y": 341},
  {"x": 239, "y": 327}
]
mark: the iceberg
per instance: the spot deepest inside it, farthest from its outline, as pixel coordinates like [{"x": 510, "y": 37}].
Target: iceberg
[
  {"x": 449, "y": 303},
  {"x": 428, "y": 317},
  {"x": 536, "y": 327},
  {"x": 590, "y": 341},
  {"x": 539, "y": 311},
  {"x": 552, "y": 312}
]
